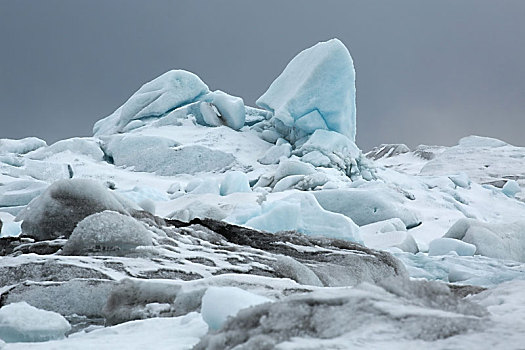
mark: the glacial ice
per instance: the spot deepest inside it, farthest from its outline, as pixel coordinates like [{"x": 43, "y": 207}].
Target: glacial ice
[
  {"x": 300, "y": 99},
  {"x": 442, "y": 246},
  {"x": 164, "y": 156},
  {"x": 219, "y": 303},
  {"x": 300, "y": 211},
  {"x": 21, "y": 146},
  {"x": 511, "y": 188},
  {"x": 367, "y": 205},
  {"x": 500, "y": 241},
  {"x": 223, "y": 109},
  {"x": 21, "y": 322},
  {"x": 275, "y": 153},
  {"x": 77, "y": 145},
  {"x": 21, "y": 192},
  {"x": 235, "y": 181},
  {"x": 107, "y": 233},
  {"x": 172, "y": 89}
]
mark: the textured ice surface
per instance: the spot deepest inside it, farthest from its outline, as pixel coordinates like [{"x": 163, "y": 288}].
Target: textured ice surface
[
  {"x": 21, "y": 322},
  {"x": 470, "y": 270},
  {"x": 107, "y": 233},
  {"x": 315, "y": 91},
  {"x": 164, "y": 156},
  {"x": 429, "y": 312},
  {"x": 219, "y": 303},
  {"x": 154, "y": 99}
]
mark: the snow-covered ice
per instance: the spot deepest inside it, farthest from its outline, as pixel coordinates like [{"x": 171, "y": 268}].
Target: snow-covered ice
[
  {"x": 219, "y": 303},
  {"x": 21, "y": 322}
]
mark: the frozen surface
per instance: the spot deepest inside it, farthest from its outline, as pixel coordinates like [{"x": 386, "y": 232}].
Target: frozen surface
[
  {"x": 315, "y": 91},
  {"x": 164, "y": 156},
  {"x": 21, "y": 322},
  {"x": 219, "y": 303}
]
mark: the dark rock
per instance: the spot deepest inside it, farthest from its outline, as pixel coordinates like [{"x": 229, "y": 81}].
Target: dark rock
[
  {"x": 47, "y": 270},
  {"x": 335, "y": 262},
  {"x": 387, "y": 151}
]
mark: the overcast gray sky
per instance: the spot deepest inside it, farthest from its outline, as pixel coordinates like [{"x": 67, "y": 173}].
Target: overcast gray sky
[{"x": 428, "y": 72}]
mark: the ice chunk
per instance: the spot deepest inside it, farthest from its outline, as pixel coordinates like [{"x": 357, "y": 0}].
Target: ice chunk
[
  {"x": 388, "y": 234},
  {"x": 500, "y": 241},
  {"x": 292, "y": 167},
  {"x": 21, "y": 322},
  {"x": 77, "y": 145},
  {"x": 163, "y": 94},
  {"x": 301, "y": 212},
  {"x": 109, "y": 233},
  {"x": 18, "y": 193},
  {"x": 56, "y": 212},
  {"x": 202, "y": 186},
  {"x": 21, "y": 146},
  {"x": 10, "y": 229},
  {"x": 442, "y": 246},
  {"x": 235, "y": 181},
  {"x": 369, "y": 205},
  {"x": 511, "y": 188},
  {"x": 219, "y": 303},
  {"x": 223, "y": 109},
  {"x": 275, "y": 153},
  {"x": 315, "y": 91},
  {"x": 460, "y": 180}
]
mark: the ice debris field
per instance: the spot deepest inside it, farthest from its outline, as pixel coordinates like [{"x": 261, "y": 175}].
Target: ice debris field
[{"x": 189, "y": 220}]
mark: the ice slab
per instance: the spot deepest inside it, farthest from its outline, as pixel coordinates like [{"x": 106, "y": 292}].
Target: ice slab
[{"x": 21, "y": 322}]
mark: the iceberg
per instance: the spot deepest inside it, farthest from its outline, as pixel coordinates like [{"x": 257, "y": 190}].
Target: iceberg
[{"x": 315, "y": 91}]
